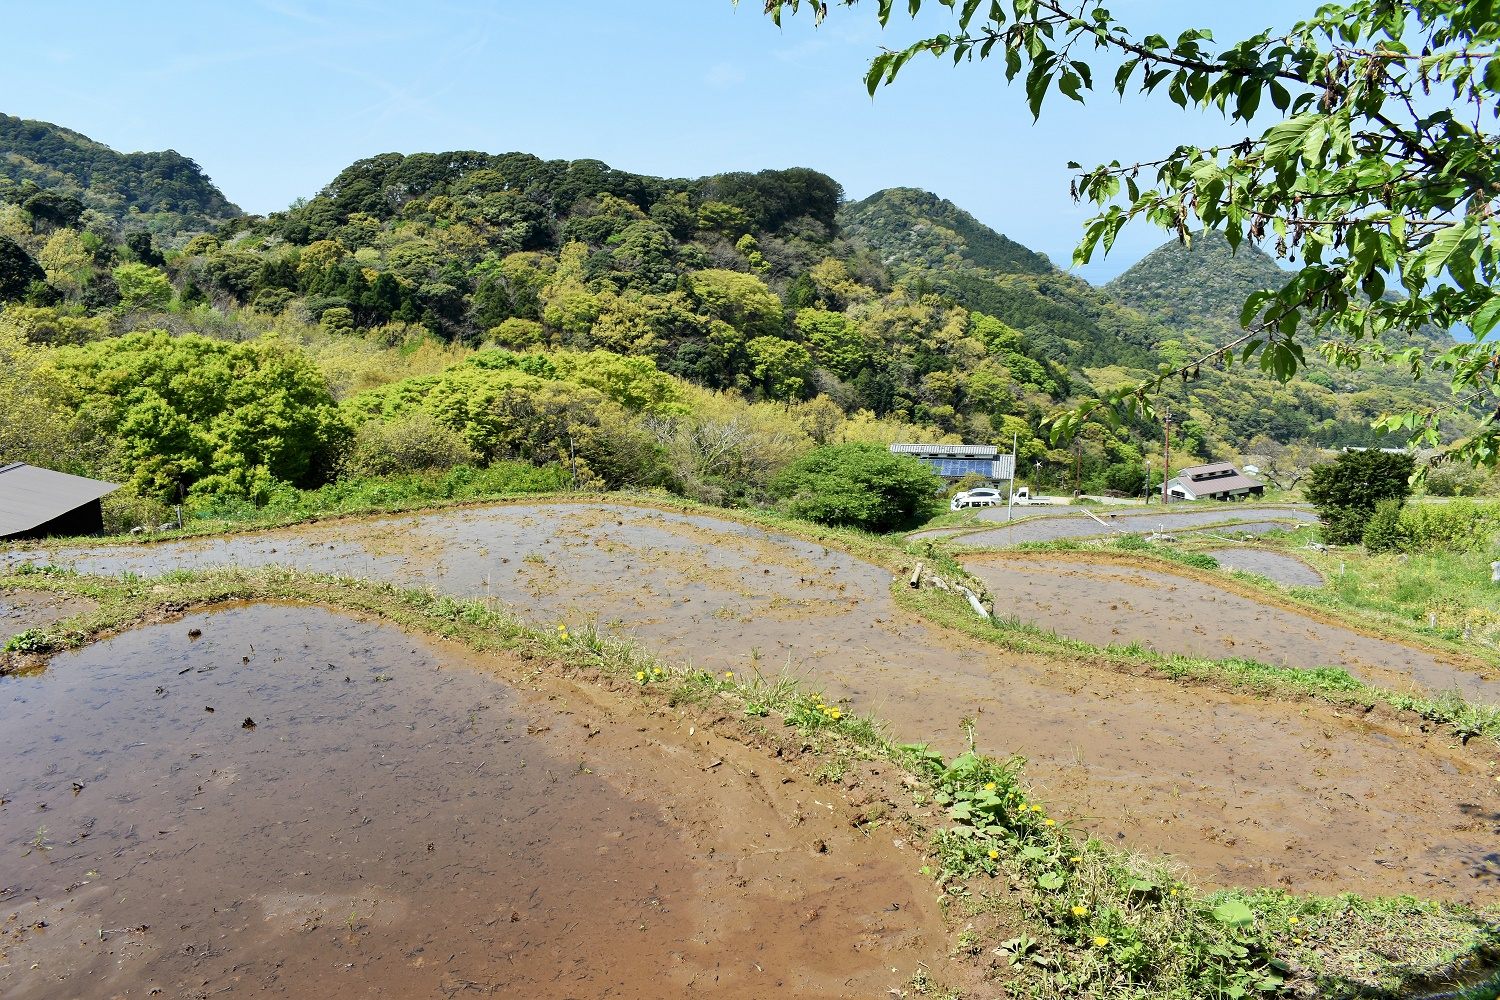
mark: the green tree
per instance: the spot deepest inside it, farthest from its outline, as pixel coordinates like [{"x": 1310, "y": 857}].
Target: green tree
[
  {"x": 142, "y": 287},
  {"x": 780, "y": 366},
  {"x": 858, "y": 486},
  {"x": 18, "y": 272},
  {"x": 1347, "y": 491},
  {"x": 1351, "y": 170},
  {"x": 191, "y": 414}
]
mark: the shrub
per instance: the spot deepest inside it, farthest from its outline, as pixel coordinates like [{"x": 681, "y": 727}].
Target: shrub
[
  {"x": 125, "y": 509},
  {"x": 1452, "y": 480},
  {"x": 411, "y": 443},
  {"x": 1383, "y": 530},
  {"x": 1456, "y": 526},
  {"x": 858, "y": 486}
]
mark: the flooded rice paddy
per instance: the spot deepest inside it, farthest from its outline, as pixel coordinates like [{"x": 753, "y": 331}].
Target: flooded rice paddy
[
  {"x": 1242, "y": 790},
  {"x": 1078, "y": 524},
  {"x": 1111, "y": 603},
  {"x": 1289, "y": 571},
  {"x": 281, "y": 801}
]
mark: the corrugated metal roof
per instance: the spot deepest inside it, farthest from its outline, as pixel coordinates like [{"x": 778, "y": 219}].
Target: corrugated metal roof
[
  {"x": 947, "y": 450},
  {"x": 1213, "y": 468},
  {"x": 30, "y": 496}
]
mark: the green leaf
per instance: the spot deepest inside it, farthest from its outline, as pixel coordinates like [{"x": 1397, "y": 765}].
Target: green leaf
[
  {"x": 1051, "y": 881},
  {"x": 1234, "y": 913}
]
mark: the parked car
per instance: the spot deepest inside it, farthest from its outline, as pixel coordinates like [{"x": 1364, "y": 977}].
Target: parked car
[{"x": 983, "y": 496}]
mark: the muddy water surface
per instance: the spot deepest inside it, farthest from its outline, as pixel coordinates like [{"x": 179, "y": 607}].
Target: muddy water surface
[
  {"x": 295, "y": 803},
  {"x": 1289, "y": 571},
  {"x": 1111, "y": 603},
  {"x": 1243, "y": 790},
  {"x": 1048, "y": 527}
]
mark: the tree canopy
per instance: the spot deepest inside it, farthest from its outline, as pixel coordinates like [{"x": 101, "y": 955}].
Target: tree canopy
[{"x": 1369, "y": 159}]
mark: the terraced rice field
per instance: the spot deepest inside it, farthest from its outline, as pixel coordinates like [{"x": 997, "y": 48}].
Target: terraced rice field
[
  {"x": 1289, "y": 571},
  {"x": 282, "y": 801},
  {"x": 1109, "y": 603},
  {"x": 1076, "y": 523},
  {"x": 1241, "y": 790}
]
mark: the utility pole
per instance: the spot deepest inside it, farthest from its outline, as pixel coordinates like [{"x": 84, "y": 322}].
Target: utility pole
[
  {"x": 1010, "y": 488},
  {"x": 1078, "y": 467},
  {"x": 1166, "y": 452}
]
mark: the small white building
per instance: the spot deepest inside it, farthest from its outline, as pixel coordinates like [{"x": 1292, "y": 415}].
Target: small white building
[
  {"x": 955, "y": 461},
  {"x": 1219, "y": 481}
]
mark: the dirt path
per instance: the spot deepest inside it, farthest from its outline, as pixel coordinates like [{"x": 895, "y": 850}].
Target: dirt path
[
  {"x": 397, "y": 823},
  {"x": 1111, "y": 603},
  {"x": 1243, "y": 791}
]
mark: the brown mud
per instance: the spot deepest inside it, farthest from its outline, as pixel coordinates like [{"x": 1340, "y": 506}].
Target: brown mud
[
  {"x": 27, "y": 609},
  {"x": 298, "y": 803},
  {"x": 1289, "y": 571},
  {"x": 1113, "y": 603},
  {"x": 1244, "y": 791}
]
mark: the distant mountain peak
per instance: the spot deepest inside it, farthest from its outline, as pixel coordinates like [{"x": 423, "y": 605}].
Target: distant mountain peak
[
  {"x": 1207, "y": 281},
  {"x": 910, "y": 227}
]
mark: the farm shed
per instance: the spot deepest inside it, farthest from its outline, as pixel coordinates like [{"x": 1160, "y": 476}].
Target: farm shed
[
  {"x": 35, "y": 503},
  {"x": 1219, "y": 481},
  {"x": 954, "y": 461}
]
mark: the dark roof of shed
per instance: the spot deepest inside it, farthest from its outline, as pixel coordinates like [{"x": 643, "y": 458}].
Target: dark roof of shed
[{"x": 30, "y": 496}]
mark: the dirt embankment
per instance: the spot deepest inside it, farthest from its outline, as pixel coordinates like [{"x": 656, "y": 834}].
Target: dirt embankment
[
  {"x": 282, "y": 801},
  {"x": 1243, "y": 791}
]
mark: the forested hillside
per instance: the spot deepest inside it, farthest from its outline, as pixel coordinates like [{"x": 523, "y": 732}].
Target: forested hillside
[
  {"x": 57, "y": 172},
  {"x": 691, "y": 334}
]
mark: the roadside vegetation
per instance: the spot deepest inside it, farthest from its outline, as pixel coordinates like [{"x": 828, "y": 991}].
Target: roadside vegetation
[{"x": 1092, "y": 919}]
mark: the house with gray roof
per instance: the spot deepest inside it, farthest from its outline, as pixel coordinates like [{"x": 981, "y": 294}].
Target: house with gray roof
[{"x": 1218, "y": 481}]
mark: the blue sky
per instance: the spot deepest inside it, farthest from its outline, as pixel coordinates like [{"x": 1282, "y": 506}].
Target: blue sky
[{"x": 273, "y": 98}]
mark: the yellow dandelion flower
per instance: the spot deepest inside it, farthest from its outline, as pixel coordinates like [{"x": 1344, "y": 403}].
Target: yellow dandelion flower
[
  {"x": 1080, "y": 911},
  {"x": 640, "y": 675},
  {"x": 1296, "y": 940},
  {"x": 1174, "y": 892},
  {"x": 1036, "y": 809},
  {"x": 729, "y": 675},
  {"x": 1292, "y": 920},
  {"x": 1075, "y": 859},
  {"x": 1052, "y": 822},
  {"x": 835, "y": 714},
  {"x": 1100, "y": 942},
  {"x": 994, "y": 854},
  {"x": 989, "y": 786}
]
